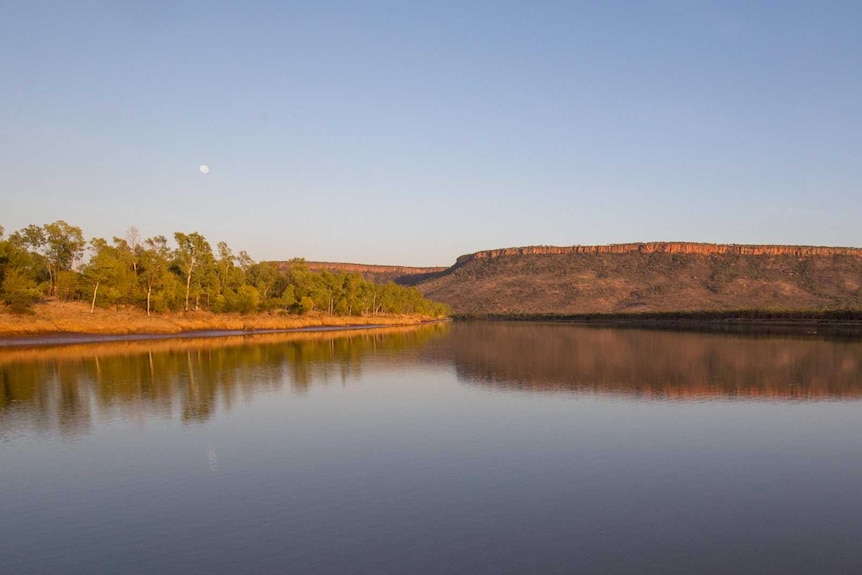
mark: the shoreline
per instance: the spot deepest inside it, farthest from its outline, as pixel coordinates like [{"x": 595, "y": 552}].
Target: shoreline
[
  {"x": 71, "y": 322},
  {"x": 75, "y": 338}
]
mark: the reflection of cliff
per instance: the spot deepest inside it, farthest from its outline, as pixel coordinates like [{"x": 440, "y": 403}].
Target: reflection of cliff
[
  {"x": 66, "y": 387},
  {"x": 565, "y": 358},
  {"x": 649, "y": 277}
]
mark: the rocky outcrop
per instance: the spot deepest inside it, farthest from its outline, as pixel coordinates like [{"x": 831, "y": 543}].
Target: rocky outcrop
[{"x": 688, "y": 248}]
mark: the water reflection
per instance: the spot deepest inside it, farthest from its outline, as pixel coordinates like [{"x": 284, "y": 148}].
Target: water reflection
[
  {"x": 483, "y": 448},
  {"x": 64, "y": 388},
  {"x": 68, "y": 388},
  {"x": 654, "y": 364}
]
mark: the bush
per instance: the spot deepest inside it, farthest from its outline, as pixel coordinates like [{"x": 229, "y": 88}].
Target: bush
[
  {"x": 305, "y": 305},
  {"x": 19, "y": 292},
  {"x": 247, "y": 299}
]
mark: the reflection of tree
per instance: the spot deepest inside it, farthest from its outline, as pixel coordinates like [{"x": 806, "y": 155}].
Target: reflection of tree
[
  {"x": 66, "y": 387},
  {"x": 547, "y": 357}
]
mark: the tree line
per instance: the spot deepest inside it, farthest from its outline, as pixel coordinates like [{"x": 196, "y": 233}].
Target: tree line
[{"x": 186, "y": 274}]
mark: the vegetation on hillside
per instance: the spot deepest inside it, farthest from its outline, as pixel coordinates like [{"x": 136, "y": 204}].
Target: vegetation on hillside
[{"x": 157, "y": 275}]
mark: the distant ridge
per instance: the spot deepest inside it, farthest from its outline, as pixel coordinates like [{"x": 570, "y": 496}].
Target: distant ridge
[
  {"x": 372, "y": 268},
  {"x": 403, "y": 275}
]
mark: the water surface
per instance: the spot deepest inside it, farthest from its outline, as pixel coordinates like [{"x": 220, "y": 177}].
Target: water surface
[{"x": 471, "y": 447}]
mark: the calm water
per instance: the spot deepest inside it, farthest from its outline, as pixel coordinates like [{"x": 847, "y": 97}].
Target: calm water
[{"x": 464, "y": 448}]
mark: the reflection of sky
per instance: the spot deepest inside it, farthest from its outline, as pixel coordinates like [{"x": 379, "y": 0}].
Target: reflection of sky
[{"x": 406, "y": 470}]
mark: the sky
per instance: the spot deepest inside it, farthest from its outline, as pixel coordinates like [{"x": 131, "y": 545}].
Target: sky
[{"x": 410, "y": 133}]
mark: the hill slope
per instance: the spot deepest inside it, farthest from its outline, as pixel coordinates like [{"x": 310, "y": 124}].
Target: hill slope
[{"x": 650, "y": 277}]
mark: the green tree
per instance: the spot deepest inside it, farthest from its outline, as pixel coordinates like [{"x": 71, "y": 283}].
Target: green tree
[
  {"x": 105, "y": 268},
  {"x": 18, "y": 291},
  {"x": 262, "y": 276},
  {"x": 154, "y": 260},
  {"x": 229, "y": 276},
  {"x": 64, "y": 248},
  {"x": 247, "y": 298},
  {"x": 193, "y": 250},
  {"x": 20, "y": 271},
  {"x": 28, "y": 246}
]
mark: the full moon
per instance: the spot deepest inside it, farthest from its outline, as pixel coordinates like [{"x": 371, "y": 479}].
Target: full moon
[{"x": 205, "y": 169}]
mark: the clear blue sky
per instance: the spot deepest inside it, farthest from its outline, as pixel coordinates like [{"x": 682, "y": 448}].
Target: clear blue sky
[{"x": 412, "y": 132}]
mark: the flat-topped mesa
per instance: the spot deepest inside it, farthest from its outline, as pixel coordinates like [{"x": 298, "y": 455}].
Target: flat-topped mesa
[{"x": 668, "y": 248}]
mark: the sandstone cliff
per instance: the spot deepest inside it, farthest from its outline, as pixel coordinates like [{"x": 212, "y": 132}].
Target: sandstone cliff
[
  {"x": 645, "y": 277},
  {"x": 667, "y": 248}
]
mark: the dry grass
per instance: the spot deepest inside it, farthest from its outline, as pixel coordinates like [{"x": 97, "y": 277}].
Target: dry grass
[{"x": 75, "y": 317}]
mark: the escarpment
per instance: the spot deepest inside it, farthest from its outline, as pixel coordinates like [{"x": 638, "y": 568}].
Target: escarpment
[
  {"x": 667, "y": 248},
  {"x": 650, "y": 277}
]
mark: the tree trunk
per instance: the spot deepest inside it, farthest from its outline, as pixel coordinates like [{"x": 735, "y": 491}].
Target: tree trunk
[
  {"x": 149, "y": 291},
  {"x": 52, "y": 286},
  {"x": 188, "y": 288},
  {"x": 93, "y": 305}
]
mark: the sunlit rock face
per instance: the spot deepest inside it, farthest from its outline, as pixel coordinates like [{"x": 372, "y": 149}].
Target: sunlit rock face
[
  {"x": 669, "y": 248},
  {"x": 650, "y": 277}
]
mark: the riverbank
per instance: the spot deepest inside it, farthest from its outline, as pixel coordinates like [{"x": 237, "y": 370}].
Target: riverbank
[{"x": 54, "y": 318}]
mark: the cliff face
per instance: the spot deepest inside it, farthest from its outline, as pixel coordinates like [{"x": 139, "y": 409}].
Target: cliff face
[
  {"x": 667, "y": 248},
  {"x": 644, "y": 277}
]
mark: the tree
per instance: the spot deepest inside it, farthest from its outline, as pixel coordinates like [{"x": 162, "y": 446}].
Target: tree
[
  {"x": 60, "y": 245},
  {"x": 154, "y": 259},
  {"x": 192, "y": 249},
  {"x": 352, "y": 291},
  {"x": 18, "y": 291},
  {"x": 224, "y": 265},
  {"x": 133, "y": 241},
  {"x": 19, "y": 271},
  {"x": 127, "y": 276},
  {"x": 247, "y": 298},
  {"x": 104, "y": 267},
  {"x": 64, "y": 247},
  {"x": 27, "y": 243},
  {"x": 263, "y": 276}
]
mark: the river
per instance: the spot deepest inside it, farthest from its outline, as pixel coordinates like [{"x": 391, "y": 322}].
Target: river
[{"x": 474, "y": 447}]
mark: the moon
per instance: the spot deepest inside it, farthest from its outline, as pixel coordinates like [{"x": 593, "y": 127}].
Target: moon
[{"x": 205, "y": 169}]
